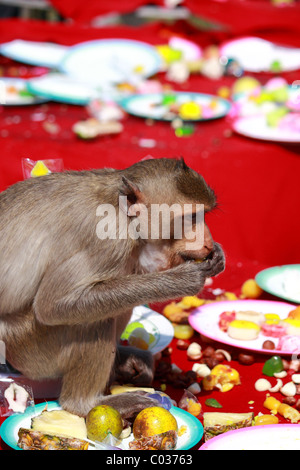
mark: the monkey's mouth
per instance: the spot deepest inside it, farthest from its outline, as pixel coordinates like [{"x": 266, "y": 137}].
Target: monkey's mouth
[{"x": 197, "y": 260}]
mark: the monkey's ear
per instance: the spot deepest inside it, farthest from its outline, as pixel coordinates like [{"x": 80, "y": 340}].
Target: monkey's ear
[
  {"x": 181, "y": 165},
  {"x": 133, "y": 195}
]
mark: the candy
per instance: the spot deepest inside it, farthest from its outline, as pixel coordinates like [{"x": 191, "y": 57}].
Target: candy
[
  {"x": 273, "y": 365},
  {"x": 183, "y": 331},
  {"x": 39, "y": 169},
  {"x": 190, "y": 110},
  {"x": 289, "y": 343},
  {"x": 275, "y": 331},
  {"x": 263, "y": 420},
  {"x": 251, "y": 289}
]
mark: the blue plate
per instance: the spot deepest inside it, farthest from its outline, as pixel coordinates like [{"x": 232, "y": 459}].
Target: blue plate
[{"x": 10, "y": 427}]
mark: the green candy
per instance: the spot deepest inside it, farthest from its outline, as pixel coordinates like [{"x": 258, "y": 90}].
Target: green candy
[{"x": 273, "y": 366}]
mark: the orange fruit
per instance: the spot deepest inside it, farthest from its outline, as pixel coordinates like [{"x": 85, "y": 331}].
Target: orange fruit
[{"x": 153, "y": 420}]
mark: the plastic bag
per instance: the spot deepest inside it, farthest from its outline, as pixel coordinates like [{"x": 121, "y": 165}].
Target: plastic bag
[
  {"x": 15, "y": 397},
  {"x": 191, "y": 404},
  {"x": 33, "y": 169}
]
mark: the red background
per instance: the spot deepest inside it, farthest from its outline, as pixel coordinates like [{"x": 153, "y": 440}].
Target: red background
[{"x": 257, "y": 183}]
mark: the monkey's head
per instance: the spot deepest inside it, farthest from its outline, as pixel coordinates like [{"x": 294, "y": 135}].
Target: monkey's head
[{"x": 166, "y": 202}]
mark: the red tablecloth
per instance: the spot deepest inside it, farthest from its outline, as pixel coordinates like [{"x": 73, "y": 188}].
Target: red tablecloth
[{"x": 257, "y": 183}]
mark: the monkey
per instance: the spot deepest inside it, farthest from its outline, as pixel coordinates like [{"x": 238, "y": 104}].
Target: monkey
[{"x": 67, "y": 291}]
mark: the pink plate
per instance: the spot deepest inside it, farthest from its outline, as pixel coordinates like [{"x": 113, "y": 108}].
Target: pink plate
[
  {"x": 205, "y": 320},
  {"x": 271, "y": 437}
]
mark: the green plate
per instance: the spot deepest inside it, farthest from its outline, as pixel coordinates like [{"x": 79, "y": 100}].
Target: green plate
[
  {"x": 282, "y": 281},
  {"x": 186, "y": 440}
]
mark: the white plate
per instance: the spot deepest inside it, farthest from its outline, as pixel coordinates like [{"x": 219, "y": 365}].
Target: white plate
[
  {"x": 111, "y": 61},
  {"x": 282, "y": 281},
  {"x": 257, "y": 55},
  {"x": 189, "y": 438},
  {"x": 10, "y": 89},
  {"x": 205, "y": 320},
  {"x": 156, "y": 324},
  {"x": 271, "y": 437},
  {"x": 150, "y": 105},
  {"x": 62, "y": 88},
  {"x": 43, "y": 54},
  {"x": 256, "y": 127}
]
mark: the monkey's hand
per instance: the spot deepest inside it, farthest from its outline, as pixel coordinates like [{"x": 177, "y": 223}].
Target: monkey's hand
[
  {"x": 189, "y": 277},
  {"x": 134, "y": 366},
  {"x": 129, "y": 404}
]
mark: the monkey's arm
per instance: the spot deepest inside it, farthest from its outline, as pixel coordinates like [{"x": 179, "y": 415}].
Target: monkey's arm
[{"x": 69, "y": 295}]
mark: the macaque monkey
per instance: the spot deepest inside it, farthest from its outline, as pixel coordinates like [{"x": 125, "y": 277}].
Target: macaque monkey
[{"x": 67, "y": 292}]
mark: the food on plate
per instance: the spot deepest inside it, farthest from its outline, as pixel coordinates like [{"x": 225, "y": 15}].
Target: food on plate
[
  {"x": 116, "y": 389},
  {"x": 289, "y": 343},
  {"x": 250, "y": 289},
  {"x": 222, "y": 377},
  {"x": 251, "y": 316},
  {"x": 243, "y": 330},
  {"x": 91, "y": 128},
  {"x": 295, "y": 313},
  {"x": 163, "y": 441},
  {"x": 263, "y": 420},
  {"x": 273, "y": 366},
  {"x": 292, "y": 326},
  {"x": 273, "y": 330},
  {"x": 268, "y": 345},
  {"x": 36, "y": 440},
  {"x": 225, "y": 319},
  {"x": 285, "y": 410},
  {"x": 153, "y": 421},
  {"x": 216, "y": 423},
  {"x": 61, "y": 423},
  {"x": 102, "y": 421}
]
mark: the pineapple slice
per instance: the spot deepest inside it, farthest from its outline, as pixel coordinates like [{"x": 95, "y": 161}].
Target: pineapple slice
[
  {"x": 60, "y": 423},
  {"x": 217, "y": 423},
  {"x": 35, "y": 440}
]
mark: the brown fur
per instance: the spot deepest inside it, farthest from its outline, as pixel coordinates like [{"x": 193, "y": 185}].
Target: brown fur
[{"x": 66, "y": 295}]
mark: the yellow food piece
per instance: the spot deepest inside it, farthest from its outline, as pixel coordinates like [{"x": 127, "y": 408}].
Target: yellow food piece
[
  {"x": 39, "y": 169},
  {"x": 193, "y": 407},
  {"x": 227, "y": 387},
  {"x": 190, "y": 110},
  {"x": 251, "y": 289},
  {"x": 293, "y": 326},
  {"x": 265, "y": 419},
  {"x": 244, "y": 324},
  {"x": 272, "y": 404},
  {"x": 153, "y": 420},
  {"x": 172, "y": 308},
  {"x": 287, "y": 411},
  {"x": 60, "y": 423},
  {"x": 192, "y": 301},
  {"x": 230, "y": 296},
  {"x": 272, "y": 318},
  {"x": 183, "y": 331},
  {"x": 245, "y": 84},
  {"x": 226, "y": 374},
  {"x": 116, "y": 389}
]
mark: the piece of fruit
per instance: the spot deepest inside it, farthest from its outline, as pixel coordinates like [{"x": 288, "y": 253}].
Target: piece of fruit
[
  {"x": 183, "y": 331},
  {"x": 215, "y": 423},
  {"x": 36, "y": 440},
  {"x": 251, "y": 289},
  {"x": 61, "y": 423},
  {"x": 152, "y": 421},
  {"x": 103, "y": 420}
]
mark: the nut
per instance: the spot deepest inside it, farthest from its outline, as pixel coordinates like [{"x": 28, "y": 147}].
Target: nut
[
  {"x": 276, "y": 387},
  {"x": 194, "y": 351},
  {"x": 202, "y": 370},
  {"x": 289, "y": 389},
  {"x": 268, "y": 345},
  {"x": 208, "y": 351},
  {"x": 280, "y": 375},
  {"x": 224, "y": 353},
  {"x": 182, "y": 344},
  {"x": 289, "y": 401},
  {"x": 246, "y": 359},
  {"x": 296, "y": 378},
  {"x": 262, "y": 385}
]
